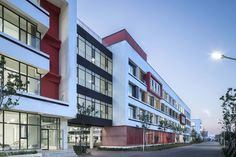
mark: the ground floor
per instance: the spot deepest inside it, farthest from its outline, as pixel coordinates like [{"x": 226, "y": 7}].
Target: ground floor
[{"x": 22, "y": 130}]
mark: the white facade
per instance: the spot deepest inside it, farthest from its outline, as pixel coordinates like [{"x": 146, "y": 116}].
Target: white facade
[
  {"x": 65, "y": 107},
  {"x": 122, "y": 54}
]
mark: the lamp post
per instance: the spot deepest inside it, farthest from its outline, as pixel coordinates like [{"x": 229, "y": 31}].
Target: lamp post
[{"x": 217, "y": 55}]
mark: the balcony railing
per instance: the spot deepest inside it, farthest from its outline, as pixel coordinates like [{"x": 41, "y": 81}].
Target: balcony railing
[{"x": 19, "y": 27}]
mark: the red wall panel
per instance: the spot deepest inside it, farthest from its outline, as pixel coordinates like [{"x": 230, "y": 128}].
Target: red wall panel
[{"x": 50, "y": 44}]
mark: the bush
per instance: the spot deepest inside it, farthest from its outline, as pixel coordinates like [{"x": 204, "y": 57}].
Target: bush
[
  {"x": 80, "y": 149},
  {"x": 20, "y": 152}
]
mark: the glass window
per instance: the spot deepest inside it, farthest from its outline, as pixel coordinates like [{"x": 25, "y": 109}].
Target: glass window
[
  {"x": 11, "y": 17},
  {"x": 97, "y": 108},
  {"x": 33, "y": 137},
  {"x": 34, "y": 86},
  {"x": 1, "y": 116},
  {"x": 12, "y": 65},
  {"x": 32, "y": 72},
  {"x": 23, "y": 23},
  {"x": 23, "y": 131},
  {"x": 81, "y": 47},
  {"x": 88, "y": 51},
  {"x": 103, "y": 110},
  {"x": 103, "y": 62},
  {"x": 1, "y": 132},
  {"x": 11, "y": 117},
  {"x": 11, "y": 29},
  {"x": 103, "y": 88},
  {"x": 132, "y": 68},
  {"x": 11, "y": 136},
  {"x": 34, "y": 119},
  {"x": 23, "y": 68},
  {"x": 23, "y": 36},
  {"x": 88, "y": 78},
  {"x": 110, "y": 89},
  {"x": 109, "y": 111},
  {"x": 97, "y": 57},
  {"x": 81, "y": 76},
  {"x": 97, "y": 83},
  {"x": 23, "y": 118},
  {"x": 132, "y": 112},
  {"x": 132, "y": 90}
]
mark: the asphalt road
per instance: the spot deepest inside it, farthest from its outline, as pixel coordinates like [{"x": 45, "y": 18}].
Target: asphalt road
[{"x": 206, "y": 149}]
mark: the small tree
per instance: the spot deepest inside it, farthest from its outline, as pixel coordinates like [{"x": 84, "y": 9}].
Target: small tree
[
  {"x": 145, "y": 120},
  {"x": 229, "y": 111},
  {"x": 194, "y": 135},
  {"x": 164, "y": 125},
  {"x": 178, "y": 131},
  {"x": 10, "y": 87}
]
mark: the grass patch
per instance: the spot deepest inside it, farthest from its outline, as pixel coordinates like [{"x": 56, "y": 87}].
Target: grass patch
[{"x": 147, "y": 148}]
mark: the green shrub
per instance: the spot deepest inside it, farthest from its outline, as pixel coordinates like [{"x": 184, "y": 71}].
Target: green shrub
[
  {"x": 17, "y": 152},
  {"x": 80, "y": 149}
]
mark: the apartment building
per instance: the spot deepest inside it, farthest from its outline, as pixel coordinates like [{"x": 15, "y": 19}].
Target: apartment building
[
  {"x": 34, "y": 38},
  {"x": 70, "y": 68},
  {"x": 139, "y": 89}
]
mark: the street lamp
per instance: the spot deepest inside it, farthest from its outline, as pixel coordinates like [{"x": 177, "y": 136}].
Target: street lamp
[{"x": 217, "y": 55}]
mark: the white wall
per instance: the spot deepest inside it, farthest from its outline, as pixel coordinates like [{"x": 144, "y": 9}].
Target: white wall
[
  {"x": 122, "y": 51},
  {"x": 68, "y": 51}
]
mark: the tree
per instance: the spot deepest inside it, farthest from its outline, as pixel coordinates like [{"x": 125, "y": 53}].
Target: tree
[
  {"x": 145, "y": 120},
  {"x": 229, "y": 110},
  {"x": 11, "y": 86},
  {"x": 84, "y": 110},
  {"x": 164, "y": 125},
  {"x": 194, "y": 135},
  {"x": 178, "y": 131}
]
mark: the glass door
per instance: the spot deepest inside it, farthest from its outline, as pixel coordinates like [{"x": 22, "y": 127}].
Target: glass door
[{"x": 45, "y": 139}]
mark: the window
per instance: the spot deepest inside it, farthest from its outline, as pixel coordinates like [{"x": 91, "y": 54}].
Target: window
[
  {"x": 142, "y": 95},
  {"x": 81, "y": 46},
  {"x": 132, "y": 68},
  {"x": 158, "y": 105},
  {"x": 101, "y": 109},
  {"x": 25, "y": 72},
  {"x": 18, "y": 132},
  {"x": 132, "y": 112},
  {"x": 94, "y": 55},
  {"x": 151, "y": 100},
  {"x": 132, "y": 91},
  {"x": 141, "y": 113},
  {"x": 155, "y": 86},
  {"x": 88, "y": 51},
  {"x": 142, "y": 76},
  {"x": 19, "y": 28}
]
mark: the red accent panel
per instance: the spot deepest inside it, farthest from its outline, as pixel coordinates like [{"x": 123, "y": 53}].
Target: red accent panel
[
  {"x": 128, "y": 136},
  {"x": 124, "y": 35},
  {"x": 148, "y": 81},
  {"x": 51, "y": 45}
]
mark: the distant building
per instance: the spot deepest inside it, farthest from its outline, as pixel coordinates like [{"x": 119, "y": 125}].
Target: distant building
[{"x": 196, "y": 124}]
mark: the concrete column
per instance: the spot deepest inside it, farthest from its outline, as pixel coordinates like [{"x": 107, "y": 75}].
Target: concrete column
[
  {"x": 91, "y": 138},
  {"x": 64, "y": 133}
]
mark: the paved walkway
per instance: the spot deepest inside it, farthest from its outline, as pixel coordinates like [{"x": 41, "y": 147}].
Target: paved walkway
[{"x": 207, "y": 149}]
